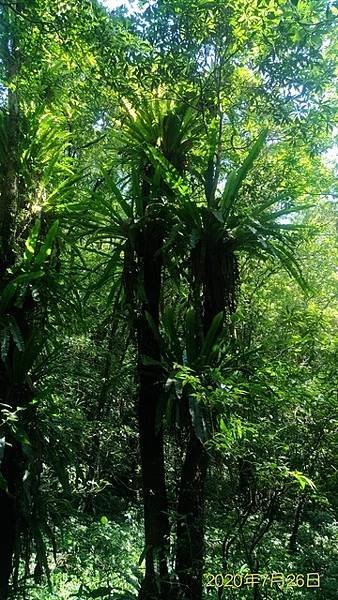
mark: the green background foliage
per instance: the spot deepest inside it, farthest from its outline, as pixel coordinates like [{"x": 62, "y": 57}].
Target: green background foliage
[{"x": 208, "y": 127}]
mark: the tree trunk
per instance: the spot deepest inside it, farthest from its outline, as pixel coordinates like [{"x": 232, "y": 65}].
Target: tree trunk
[
  {"x": 9, "y": 187},
  {"x": 8, "y": 512},
  {"x": 295, "y": 528},
  {"x": 13, "y": 466},
  {"x": 156, "y": 521},
  {"x": 11, "y": 459},
  {"x": 190, "y": 520},
  {"x": 217, "y": 281}
]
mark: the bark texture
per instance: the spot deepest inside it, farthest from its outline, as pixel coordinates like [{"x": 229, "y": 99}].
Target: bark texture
[
  {"x": 156, "y": 521},
  {"x": 190, "y": 521},
  {"x": 12, "y": 457},
  {"x": 215, "y": 276},
  {"x": 9, "y": 167}
]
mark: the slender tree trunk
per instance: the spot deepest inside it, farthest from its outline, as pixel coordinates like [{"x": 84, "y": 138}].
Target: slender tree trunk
[
  {"x": 13, "y": 466},
  {"x": 295, "y": 528},
  {"x": 190, "y": 520},
  {"x": 156, "y": 521},
  {"x": 9, "y": 187},
  {"x": 8, "y": 518},
  {"x": 96, "y": 414},
  {"x": 217, "y": 285},
  {"x": 12, "y": 457}
]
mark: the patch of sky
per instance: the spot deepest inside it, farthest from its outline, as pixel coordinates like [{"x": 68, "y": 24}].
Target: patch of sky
[
  {"x": 331, "y": 155},
  {"x": 99, "y": 124},
  {"x": 112, "y": 4},
  {"x": 130, "y": 5},
  {"x": 3, "y": 94}
]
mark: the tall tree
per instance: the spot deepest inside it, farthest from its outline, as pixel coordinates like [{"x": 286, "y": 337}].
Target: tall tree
[{"x": 204, "y": 175}]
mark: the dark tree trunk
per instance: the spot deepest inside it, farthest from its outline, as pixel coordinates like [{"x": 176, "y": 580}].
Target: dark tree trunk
[
  {"x": 293, "y": 541},
  {"x": 10, "y": 470},
  {"x": 13, "y": 466},
  {"x": 8, "y": 527},
  {"x": 217, "y": 274},
  {"x": 9, "y": 187},
  {"x": 190, "y": 520},
  {"x": 10, "y": 462},
  {"x": 156, "y": 520}
]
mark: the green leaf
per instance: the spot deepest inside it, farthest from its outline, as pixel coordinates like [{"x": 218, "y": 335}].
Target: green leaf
[
  {"x": 303, "y": 480},
  {"x": 236, "y": 179},
  {"x": 46, "y": 248},
  {"x": 222, "y": 426},
  {"x": 108, "y": 274},
  {"x": 28, "y": 277},
  {"x": 168, "y": 320},
  {"x": 100, "y": 592},
  {"x": 197, "y": 419},
  {"x": 16, "y": 334},
  {"x": 7, "y": 295},
  {"x": 4, "y": 342},
  {"x": 212, "y": 336},
  {"x": 32, "y": 239},
  {"x": 127, "y": 208}
]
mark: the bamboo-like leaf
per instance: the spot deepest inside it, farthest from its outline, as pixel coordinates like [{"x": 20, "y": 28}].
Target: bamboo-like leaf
[
  {"x": 212, "y": 336},
  {"x": 169, "y": 173},
  {"x": 197, "y": 419},
  {"x": 7, "y": 295},
  {"x": 25, "y": 278},
  {"x": 4, "y": 342},
  {"x": 285, "y": 212},
  {"x": 236, "y": 179},
  {"x": 32, "y": 240},
  {"x": 16, "y": 334},
  {"x": 47, "y": 245},
  {"x": 108, "y": 274},
  {"x": 170, "y": 329},
  {"x": 127, "y": 208}
]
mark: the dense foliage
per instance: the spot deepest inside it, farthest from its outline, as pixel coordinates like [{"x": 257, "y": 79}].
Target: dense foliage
[{"x": 168, "y": 300}]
